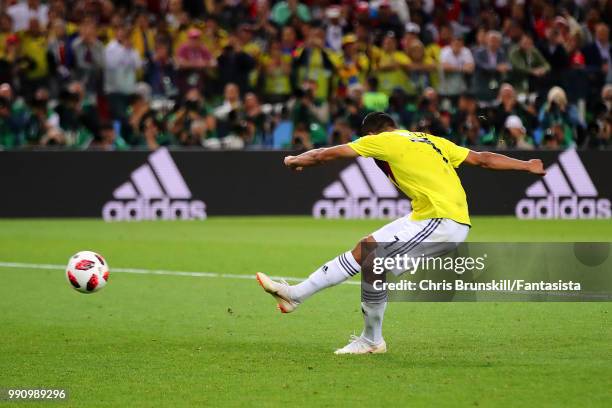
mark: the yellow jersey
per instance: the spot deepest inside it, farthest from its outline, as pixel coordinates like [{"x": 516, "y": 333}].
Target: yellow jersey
[{"x": 422, "y": 166}]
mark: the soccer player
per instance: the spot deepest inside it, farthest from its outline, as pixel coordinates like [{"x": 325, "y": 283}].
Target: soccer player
[{"x": 423, "y": 167}]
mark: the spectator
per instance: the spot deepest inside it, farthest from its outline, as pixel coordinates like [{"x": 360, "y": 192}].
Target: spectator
[
  {"x": 6, "y": 30},
  {"x": 34, "y": 58},
  {"x": 24, "y": 11},
  {"x": 235, "y": 65},
  {"x": 333, "y": 28},
  {"x": 600, "y": 127},
  {"x": 58, "y": 55},
  {"x": 160, "y": 70},
  {"x": 9, "y": 59},
  {"x": 142, "y": 37},
  {"x": 598, "y": 57},
  {"x": 491, "y": 67},
  {"x": 174, "y": 13},
  {"x": 122, "y": 62},
  {"x": 576, "y": 57},
  {"x": 373, "y": 99},
  {"x": 355, "y": 64},
  {"x": 388, "y": 21},
  {"x": 88, "y": 57},
  {"x": 457, "y": 62},
  {"x": 275, "y": 74},
  {"x": 391, "y": 65},
  {"x": 193, "y": 62},
  {"x": 314, "y": 63},
  {"x": 528, "y": 66},
  {"x": 288, "y": 41},
  {"x": 245, "y": 41},
  {"x": 553, "y": 50},
  {"x": 591, "y": 20},
  {"x": 18, "y": 110},
  {"x": 419, "y": 68}
]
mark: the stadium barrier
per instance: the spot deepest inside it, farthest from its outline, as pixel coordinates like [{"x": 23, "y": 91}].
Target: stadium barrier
[{"x": 184, "y": 184}]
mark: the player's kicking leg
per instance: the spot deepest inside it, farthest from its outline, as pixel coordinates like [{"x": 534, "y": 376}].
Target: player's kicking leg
[
  {"x": 336, "y": 271},
  {"x": 405, "y": 234},
  {"x": 332, "y": 273}
]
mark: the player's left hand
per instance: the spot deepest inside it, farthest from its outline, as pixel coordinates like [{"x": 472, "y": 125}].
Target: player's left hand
[{"x": 536, "y": 167}]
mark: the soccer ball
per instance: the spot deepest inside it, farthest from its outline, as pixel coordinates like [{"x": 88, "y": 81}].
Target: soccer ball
[{"x": 87, "y": 272}]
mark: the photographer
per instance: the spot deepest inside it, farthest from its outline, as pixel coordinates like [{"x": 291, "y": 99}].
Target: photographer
[
  {"x": 428, "y": 118},
  {"x": 192, "y": 110},
  {"x": 8, "y": 130},
  {"x": 41, "y": 121},
  {"x": 559, "y": 118},
  {"x": 309, "y": 116},
  {"x": 152, "y": 132}
]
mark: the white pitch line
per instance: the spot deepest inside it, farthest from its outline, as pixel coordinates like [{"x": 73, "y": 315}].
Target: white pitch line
[{"x": 156, "y": 272}]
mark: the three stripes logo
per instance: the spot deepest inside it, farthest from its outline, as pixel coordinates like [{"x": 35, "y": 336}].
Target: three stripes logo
[
  {"x": 156, "y": 191},
  {"x": 566, "y": 191},
  {"x": 363, "y": 191}
]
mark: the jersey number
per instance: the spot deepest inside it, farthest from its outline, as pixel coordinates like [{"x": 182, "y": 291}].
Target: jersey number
[{"x": 429, "y": 142}]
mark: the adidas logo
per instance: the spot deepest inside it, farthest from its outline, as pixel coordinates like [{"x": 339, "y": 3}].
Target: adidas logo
[
  {"x": 363, "y": 191},
  {"x": 156, "y": 191},
  {"x": 555, "y": 197}
]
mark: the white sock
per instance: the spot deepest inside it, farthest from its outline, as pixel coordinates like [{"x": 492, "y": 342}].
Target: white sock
[
  {"x": 373, "y": 314},
  {"x": 332, "y": 273}
]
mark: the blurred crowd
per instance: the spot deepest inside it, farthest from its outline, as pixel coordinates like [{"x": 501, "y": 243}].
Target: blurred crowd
[{"x": 234, "y": 74}]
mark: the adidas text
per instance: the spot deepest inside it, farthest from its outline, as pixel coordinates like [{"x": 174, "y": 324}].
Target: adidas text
[
  {"x": 156, "y": 191},
  {"x": 563, "y": 207},
  {"x": 363, "y": 191},
  {"x": 141, "y": 209},
  {"x": 566, "y": 191},
  {"x": 366, "y": 208}
]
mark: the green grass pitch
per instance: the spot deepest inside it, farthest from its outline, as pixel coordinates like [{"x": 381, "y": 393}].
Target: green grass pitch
[{"x": 149, "y": 340}]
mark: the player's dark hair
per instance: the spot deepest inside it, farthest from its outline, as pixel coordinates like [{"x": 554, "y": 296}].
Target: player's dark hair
[{"x": 377, "y": 122}]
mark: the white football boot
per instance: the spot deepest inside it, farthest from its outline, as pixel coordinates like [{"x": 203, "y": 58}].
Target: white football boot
[
  {"x": 280, "y": 291},
  {"x": 361, "y": 345}
]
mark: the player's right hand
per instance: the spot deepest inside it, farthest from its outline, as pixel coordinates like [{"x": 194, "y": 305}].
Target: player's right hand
[
  {"x": 536, "y": 167},
  {"x": 290, "y": 162}
]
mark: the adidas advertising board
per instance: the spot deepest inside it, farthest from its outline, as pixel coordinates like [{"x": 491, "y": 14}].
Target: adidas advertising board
[
  {"x": 361, "y": 191},
  {"x": 566, "y": 191},
  {"x": 156, "y": 191},
  {"x": 194, "y": 184}
]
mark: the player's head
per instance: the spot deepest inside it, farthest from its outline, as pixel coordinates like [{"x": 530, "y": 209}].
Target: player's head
[{"x": 377, "y": 122}]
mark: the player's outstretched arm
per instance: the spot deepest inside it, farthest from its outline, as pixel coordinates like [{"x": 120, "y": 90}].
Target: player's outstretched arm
[
  {"x": 496, "y": 161},
  {"x": 315, "y": 157}
]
